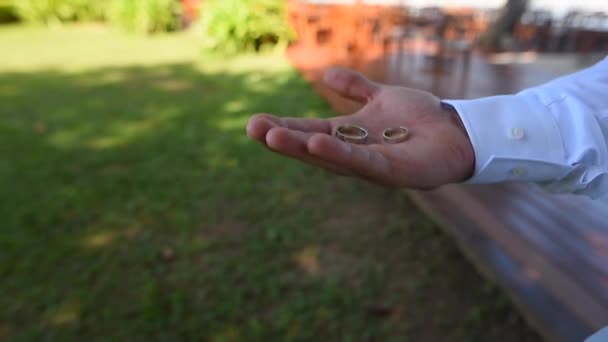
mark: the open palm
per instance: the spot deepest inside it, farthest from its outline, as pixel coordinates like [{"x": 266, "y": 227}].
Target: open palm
[{"x": 437, "y": 152}]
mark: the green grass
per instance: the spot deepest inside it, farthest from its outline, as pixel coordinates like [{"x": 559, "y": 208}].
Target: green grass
[{"x": 134, "y": 208}]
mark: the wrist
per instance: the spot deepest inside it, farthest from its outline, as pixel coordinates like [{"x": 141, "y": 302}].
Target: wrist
[
  {"x": 467, "y": 146},
  {"x": 453, "y": 114}
]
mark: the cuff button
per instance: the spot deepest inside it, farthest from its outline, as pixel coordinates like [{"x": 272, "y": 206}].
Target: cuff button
[
  {"x": 517, "y": 133},
  {"x": 518, "y": 172}
]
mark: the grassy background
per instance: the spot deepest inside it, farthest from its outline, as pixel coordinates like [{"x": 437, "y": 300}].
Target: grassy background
[{"x": 133, "y": 207}]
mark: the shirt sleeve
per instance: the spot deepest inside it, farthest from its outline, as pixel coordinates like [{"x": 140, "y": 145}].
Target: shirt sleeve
[
  {"x": 555, "y": 135},
  {"x": 600, "y": 336}
]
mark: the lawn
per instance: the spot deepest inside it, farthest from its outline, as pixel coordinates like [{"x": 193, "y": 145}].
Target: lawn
[{"x": 134, "y": 208}]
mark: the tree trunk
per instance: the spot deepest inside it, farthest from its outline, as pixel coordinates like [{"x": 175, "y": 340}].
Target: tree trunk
[{"x": 505, "y": 25}]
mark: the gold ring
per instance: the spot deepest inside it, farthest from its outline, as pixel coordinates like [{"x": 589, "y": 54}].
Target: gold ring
[
  {"x": 395, "y": 135},
  {"x": 352, "y": 134}
]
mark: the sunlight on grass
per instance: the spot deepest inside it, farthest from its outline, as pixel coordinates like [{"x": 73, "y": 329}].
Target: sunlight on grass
[
  {"x": 8, "y": 90},
  {"x": 273, "y": 64},
  {"x": 114, "y": 134},
  {"x": 66, "y": 313},
  {"x": 308, "y": 259},
  {"x": 235, "y": 106},
  {"x": 91, "y": 46},
  {"x": 237, "y": 123},
  {"x": 123, "y": 133},
  {"x": 312, "y": 114},
  {"x": 109, "y": 77},
  {"x": 99, "y": 239},
  {"x": 107, "y": 142},
  {"x": 174, "y": 85},
  {"x": 64, "y": 138},
  {"x": 221, "y": 162}
]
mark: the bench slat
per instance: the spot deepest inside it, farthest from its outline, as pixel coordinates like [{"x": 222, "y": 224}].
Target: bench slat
[{"x": 492, "y": 215}]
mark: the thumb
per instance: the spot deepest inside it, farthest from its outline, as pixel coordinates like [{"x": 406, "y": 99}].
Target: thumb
[{"x": 351, "y": 84}]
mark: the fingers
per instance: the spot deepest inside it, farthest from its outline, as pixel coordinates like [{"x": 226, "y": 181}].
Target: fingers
[
  {"x": 293, "y": 144},
  {"x": 351, "y": 84},
  {"x": 366, "y": 161},
  {"x": 260, "y": 124},
  {"x": 310, "y": 140},
  {"x": 307, "y": 125}
]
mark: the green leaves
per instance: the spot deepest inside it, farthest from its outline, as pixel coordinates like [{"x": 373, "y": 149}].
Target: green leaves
[
  {"x": 228, "y": 26},
  {"x": 140, "y": 16},
  {"x": 145, "y": 16},
  {"x": 232, "y": 26},
  {"x": 49, "y": 12}
]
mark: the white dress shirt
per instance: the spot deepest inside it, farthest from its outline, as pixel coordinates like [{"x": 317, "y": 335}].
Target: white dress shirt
[
  {"x": 600, "y": 336},
  {"x": 555, "y": 135}
]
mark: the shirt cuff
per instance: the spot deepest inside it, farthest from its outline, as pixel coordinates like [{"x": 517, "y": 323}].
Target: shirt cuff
[
  {"x": 600, "y": 336},
  {"x": 514, "y": 137}
]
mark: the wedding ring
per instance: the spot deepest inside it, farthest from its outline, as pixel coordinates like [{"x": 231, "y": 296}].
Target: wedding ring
[
  {"x": 395, "y": 135},
  {"x": 352, "y": 134}
]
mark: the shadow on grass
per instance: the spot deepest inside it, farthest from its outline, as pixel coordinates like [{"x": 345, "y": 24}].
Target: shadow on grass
[
  {"x": 133, "y": 207},
  {"x": 103, "y": 134}
]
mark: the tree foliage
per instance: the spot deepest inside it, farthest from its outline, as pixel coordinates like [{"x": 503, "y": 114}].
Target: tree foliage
[{"x": 232, "y": 26}]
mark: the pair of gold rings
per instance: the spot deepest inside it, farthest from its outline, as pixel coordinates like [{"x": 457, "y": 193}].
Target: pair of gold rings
[{"x": 358, "y": 135}]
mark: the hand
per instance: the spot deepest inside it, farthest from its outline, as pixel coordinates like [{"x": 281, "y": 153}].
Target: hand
[{"x": 438, "y": 150}]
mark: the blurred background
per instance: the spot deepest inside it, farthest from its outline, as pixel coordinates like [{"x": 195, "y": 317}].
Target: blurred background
[{"x": 133, "y": 207}]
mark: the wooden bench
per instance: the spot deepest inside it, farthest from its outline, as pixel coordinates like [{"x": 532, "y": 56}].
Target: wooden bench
[
  {"x": 549, "y": 252},
  {"x": 343, "y": 28}
]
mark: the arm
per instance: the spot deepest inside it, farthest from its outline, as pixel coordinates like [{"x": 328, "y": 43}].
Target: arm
[{"x": 555, "y": 134}]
